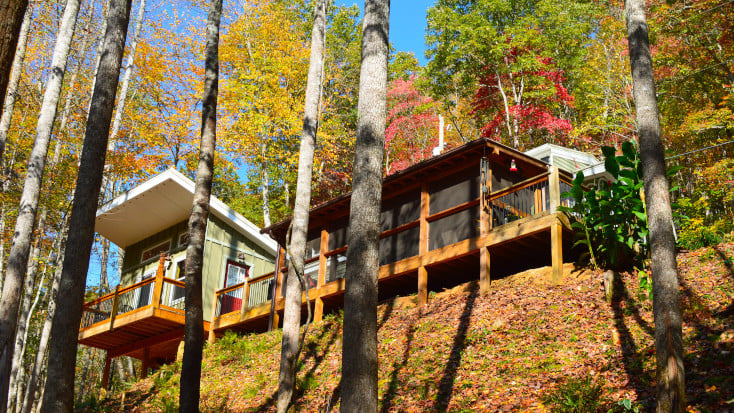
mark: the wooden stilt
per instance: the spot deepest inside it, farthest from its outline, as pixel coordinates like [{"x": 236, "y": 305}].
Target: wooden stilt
[
  {"x": 276, "y": 320},
  {"x": 422, "y": 286},
  {"x": 557, "y": 251},
  {"x": 146, "y": 363},
  {"x": 318, "y": 311},
  {"x": 484, "y": 277},
  {"x": 321, "y": 277},
  {"x": 423, "y": 246},
  {"x": 106, "y": 372}
]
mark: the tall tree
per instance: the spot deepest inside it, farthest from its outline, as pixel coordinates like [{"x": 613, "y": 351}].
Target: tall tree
[
  {"x": 14, "y": 80},
  {"x": 666, "y": 301},
  {"x": 11, "y": 19},
  {"x": 291, "y": 345},
  {"x": 59, "y": 389},
  {"x": 359, "y": 352},
  {"x": 194, "y": 328},
  {"x": 20, "y": 249}
]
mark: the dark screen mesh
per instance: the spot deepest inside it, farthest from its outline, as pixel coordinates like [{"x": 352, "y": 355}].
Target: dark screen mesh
[
  {"x": 399, "y": 246},
  {"x": 400, "y": 210},
  {"x": 454, "y": 228},
  {"x": 454, "y": 190}
]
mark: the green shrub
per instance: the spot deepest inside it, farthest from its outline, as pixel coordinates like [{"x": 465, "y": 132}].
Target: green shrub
[{"x": 576, "y": 396}]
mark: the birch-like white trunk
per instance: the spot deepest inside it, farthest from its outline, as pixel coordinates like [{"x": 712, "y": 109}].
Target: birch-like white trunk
[
  {"x": 36, "y": 372},
  {"x": 20, "y": 250},
  {"x": 290, "y": 345},
  {"x": 266, "y": 186},
  {"x": 127, "y": 75},
  {"x": 14, "y": 81}
]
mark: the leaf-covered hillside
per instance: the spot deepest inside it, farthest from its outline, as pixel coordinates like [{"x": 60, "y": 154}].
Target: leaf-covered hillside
[{"x": 504, "y": 351}]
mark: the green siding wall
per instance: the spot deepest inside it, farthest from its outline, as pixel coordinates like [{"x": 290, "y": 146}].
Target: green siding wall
[{"x": 223, "y": 243}]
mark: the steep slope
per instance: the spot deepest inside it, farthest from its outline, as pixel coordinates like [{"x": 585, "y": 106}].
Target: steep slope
[{"x": 503, "y": 351}]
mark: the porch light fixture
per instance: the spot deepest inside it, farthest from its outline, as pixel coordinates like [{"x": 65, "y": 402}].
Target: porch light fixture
[{"x": 513, "y": 166}]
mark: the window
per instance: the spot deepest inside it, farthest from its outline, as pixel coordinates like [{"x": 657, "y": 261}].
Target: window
[
  {"x": 155, "y": 251},
  {"x": 183, "y": 239},
  {"x": 235, "y": 273},
  {"x": 177, "y": 293}
]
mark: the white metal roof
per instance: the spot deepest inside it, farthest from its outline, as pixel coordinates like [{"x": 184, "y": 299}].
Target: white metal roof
[
  {"x": 159, "y": 203},
  {"x": 571, "y": 160}
]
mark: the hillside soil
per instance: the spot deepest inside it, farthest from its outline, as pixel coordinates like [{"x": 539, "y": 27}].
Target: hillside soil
[{"x": 506, "y": 350}]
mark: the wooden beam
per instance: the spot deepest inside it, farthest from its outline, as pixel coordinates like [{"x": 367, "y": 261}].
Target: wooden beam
[
  {"x": 556, "y": 231},
  {"x": 321, "y": 277},
  {"x": 115, "y": 307},
  {"x": 148, "y": 342},
  {"x": 554, "y": 189},
  {"x": 214, "y": 318},
  {"x": 158, "y": 289},
  {"x": 423, "y": 245},
  {"x": 484, "y": 277},
  {"x": 106, "y": 371}
]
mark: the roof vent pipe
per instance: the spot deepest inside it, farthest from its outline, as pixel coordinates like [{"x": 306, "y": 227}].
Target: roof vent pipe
[{"x": 438, "y": 149}]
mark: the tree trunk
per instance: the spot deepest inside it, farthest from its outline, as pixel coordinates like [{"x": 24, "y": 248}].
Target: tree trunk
[
  {"x": 104, "y": 255},
  {"x": 20, "y": 249},
  {"x": 11, "y": 19},
  {"x": 359, "y": 351},
  {"x": 25, "y": 313},
  {"x": 59, "y": 389},
  {"x": 266, "y": 186},
  {"x": 35, "y": 375},
  {"x": 100, "y": 49},
  {"x": 129, "y": 65},
  {"x": 290, "y": 347},
  {"x": 14, "y": 81},
  {"x": 194, "y": 328},
  {"x": 666, "y": 302}
]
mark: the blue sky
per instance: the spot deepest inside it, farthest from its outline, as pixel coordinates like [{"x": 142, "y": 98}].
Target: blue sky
[{"x": 407, "y": 24}]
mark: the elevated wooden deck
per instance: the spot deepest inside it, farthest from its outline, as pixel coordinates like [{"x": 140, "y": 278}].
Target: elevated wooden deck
[
  {"x": 144, "y": 320},
  {"x": 518, "y": 227}
]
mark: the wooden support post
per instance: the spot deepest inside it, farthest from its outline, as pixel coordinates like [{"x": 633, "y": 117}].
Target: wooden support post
[
  {"x": 557, "y": 251},
  {"x": 245, "y": 297},
  {"x": 106, "y": 372},
  {"x": 484, "y": 275},
  {"x": 158, "y": 286},
  {"x": 276, "y": 320},
  {"x": 554, "y": 188},
  {"x": 273, "y": 319},
  {"x": 279, "y": 274},
  {"x": 145, "y": 364},
  {"x": 115, "y": 306},
  {"x": 318, "y": 312},
  {"x": 215, "y": 320},
  {"x": 423, "y": 246},
  {"x": 485, "y": 225}
]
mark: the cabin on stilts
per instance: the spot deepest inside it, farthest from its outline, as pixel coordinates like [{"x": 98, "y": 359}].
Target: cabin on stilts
[
  {"x": 480, "y": 211},
  {"x": 144, "y": 316}
]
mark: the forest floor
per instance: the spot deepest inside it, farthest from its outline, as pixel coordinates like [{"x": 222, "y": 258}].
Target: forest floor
[{"x": 507, "y": 350}]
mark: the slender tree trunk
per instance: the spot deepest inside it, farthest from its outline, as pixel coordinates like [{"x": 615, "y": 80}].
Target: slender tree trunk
[
  {"x": 11, "y": 19},
  {"x": 194, "y": 328},
  {"x": 19, "y": 251},
  {"x": 100, "y": 49},
  {"x": 266, "y": 186},
  {"x": 104, "y": 255},
  {"x": 359, "y": 351},
  {"x": 129, "y": 65},
  {"x": 14, "y": 81},
  {"x": 38, "y": 365},
  {"x": 666, "y": 301},
  {"x": 290, "y": 347},
  {"x": 59, "y": 389},
  {"x": 24, "y": 316}
]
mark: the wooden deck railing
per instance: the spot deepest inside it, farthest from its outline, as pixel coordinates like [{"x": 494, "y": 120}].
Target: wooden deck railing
[
  {"x": 537, "y": 195},
  {"x": 252, "y": 293},
  {"x": 157, "y": 291}
]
